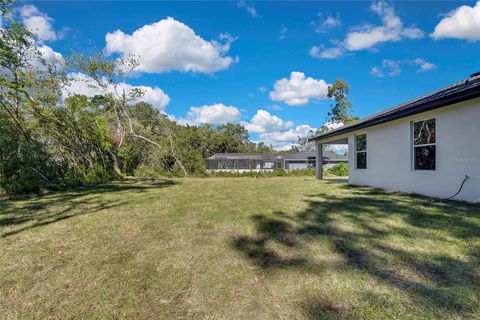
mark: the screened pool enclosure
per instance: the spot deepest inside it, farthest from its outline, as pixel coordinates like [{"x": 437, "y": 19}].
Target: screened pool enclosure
[{"x": 243, "y": 162}]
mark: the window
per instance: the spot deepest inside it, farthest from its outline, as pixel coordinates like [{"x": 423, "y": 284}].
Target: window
[
  {"x": 424, "y": 145},
  {"x": 361, "y": 151},
  {"x": 268, "y": 165}
]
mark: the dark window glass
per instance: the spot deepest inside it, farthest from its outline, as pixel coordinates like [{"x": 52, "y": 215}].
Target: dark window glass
[
  {"x": 425, "y": 158},
  {"x": 424, "y": 132},
  {"x": 361, "y": 148},
  {"x": 361, "y": 143},
  {"x": 361, "y": 160}
]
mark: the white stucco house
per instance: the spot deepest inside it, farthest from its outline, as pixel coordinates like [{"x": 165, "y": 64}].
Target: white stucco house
[{"x": 426, "y": 146}]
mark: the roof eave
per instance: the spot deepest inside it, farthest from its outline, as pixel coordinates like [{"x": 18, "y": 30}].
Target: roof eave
[{"x": 461, "y": 96}]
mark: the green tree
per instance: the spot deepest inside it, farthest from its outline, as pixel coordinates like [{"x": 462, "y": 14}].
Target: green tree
[
  {"x": 26, "y": 85},
  {"x": 107, "y": 75},
  {"x": 341, "y": 108},
  {"x": 46, "y": 142},
  {"x": 231, "y": 138},
  {"x": 78, "y": 140},
  {"x": 304, "y": 144}
]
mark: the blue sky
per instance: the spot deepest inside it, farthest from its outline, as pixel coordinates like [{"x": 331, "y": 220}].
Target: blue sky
[{"x": 225, "y": 61}]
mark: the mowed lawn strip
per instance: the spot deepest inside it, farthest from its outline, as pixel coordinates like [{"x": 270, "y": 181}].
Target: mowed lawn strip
[{"x": 238, "y": 248}]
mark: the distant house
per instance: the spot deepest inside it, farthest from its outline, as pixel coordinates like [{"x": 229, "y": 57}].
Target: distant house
[
  {"x": 243, "y": 162},
  {"x": 308, "y": 159},
  {"x": 265, "y": 161},
  {"x": 429, "y": 145}
]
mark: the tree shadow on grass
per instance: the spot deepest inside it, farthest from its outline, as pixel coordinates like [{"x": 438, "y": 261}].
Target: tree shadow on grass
[
  {"x": 270, "y": 229},
  {"x": 355, "y": 224},
  {"x": 24, "y": 213}
]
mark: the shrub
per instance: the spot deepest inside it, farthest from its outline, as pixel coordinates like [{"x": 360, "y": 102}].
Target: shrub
[
  {"x": 340, "y": 169},
  {"x": 25, "y": 167},
  {"x": 263, "y": 174},
  {"x": 279, "y": 172},
  {"x": 301, "y": 172},
  {"x": 148, "y": 171}
]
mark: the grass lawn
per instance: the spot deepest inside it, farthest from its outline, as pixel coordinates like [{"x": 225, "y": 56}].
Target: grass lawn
[{"x": 238, "y": 248}]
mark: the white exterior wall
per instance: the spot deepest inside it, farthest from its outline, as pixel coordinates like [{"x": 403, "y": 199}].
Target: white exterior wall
[
  {"x": 390, "y": 158},
  {"x": 296, "y": 165}
]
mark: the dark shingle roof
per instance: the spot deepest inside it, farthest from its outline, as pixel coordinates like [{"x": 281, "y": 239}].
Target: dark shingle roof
[
  {"x": 461, "y": 91},
  {"x": 332, "y": 156},
  {"x": 302, "y": 155},
  {"x": 311, "y": 155},
  {"x": 244, "y": 156}
]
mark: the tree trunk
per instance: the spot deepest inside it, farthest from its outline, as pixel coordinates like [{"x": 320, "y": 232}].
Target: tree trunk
[{"x": 116, "y": 166}]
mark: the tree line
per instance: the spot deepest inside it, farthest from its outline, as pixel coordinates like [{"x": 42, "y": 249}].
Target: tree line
[{"x": 49, "y": 141}]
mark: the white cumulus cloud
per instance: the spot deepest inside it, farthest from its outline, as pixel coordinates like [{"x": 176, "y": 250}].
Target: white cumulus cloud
[
  {"x": 82, "y": 84},
  {"x": 393, "y": 68},
  {"x": 330, "y": 53},
  {"x": 368, "y": 36},
  {"x": 38, "y": 23},
  {"x": 263, "y": 122},
  {"x": 462, "y": 23},
  {"x": 169, "y": 45},
  {"x": 215, "y": 114},
  {"x": 283, "y": 140},
  {"x": 298, "y": 89},
  {"x": 49, "y": 55},
  {"x": 43, "y": 56},
  {"x": 333, "y": 125},
  {"x": 267, "y": 128}
]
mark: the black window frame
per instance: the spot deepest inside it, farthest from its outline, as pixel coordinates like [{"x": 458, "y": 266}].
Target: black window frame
[
  {"x": 362, "y": 151},
  {"x": 431, "y": 146}
]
